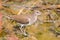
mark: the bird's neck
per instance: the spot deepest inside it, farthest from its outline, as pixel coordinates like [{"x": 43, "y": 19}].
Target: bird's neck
[{"x": 35, "y": 15}]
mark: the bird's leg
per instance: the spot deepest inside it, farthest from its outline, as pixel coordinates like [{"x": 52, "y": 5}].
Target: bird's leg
[
  {"x": 21, "y": 28},
  {"x": 23, "y": 31}
]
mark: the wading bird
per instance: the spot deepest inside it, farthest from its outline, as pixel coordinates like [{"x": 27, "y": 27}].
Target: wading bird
[{"x": 25, "y": 20}]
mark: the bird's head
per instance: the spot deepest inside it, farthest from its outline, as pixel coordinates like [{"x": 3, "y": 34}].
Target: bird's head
[{"x": 37, "y": 12}]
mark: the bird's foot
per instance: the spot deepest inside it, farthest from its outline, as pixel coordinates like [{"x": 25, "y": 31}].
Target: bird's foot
[{"x": 25, "y": 34}]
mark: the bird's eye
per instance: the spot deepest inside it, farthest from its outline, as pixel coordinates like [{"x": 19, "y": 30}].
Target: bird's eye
[{"x": 37, "y": 12}]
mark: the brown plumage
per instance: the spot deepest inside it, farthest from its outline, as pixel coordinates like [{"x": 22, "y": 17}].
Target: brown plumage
[
  {"x": 24, "y": 20},
  {"x": 19, "y": 18}
]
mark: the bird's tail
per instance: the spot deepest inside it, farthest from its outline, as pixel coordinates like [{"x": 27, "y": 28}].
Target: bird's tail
[{"x": 8, "y": 16}]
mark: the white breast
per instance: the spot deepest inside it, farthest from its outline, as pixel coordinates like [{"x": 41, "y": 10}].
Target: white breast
[{"x": 32, "y": 19}]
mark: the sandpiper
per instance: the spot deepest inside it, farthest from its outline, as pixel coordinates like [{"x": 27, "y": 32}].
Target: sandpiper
[{"x": 25, "y": 20}]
